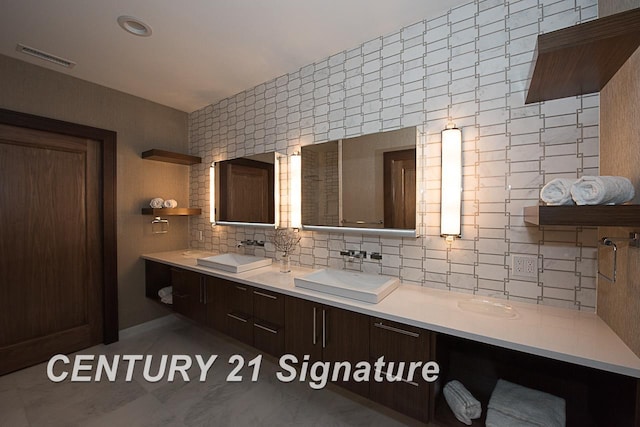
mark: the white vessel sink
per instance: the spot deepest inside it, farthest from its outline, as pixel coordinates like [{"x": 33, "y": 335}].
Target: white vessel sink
[
  {"x": 234, "y": 263},
  {"x": 349, "y": 284},
  {"x": 490, "y": 308}
]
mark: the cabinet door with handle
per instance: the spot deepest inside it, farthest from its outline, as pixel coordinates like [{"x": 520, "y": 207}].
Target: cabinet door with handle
[
  {"x": 189, "y": 294},
  {"x": 401, "y": 343},
  {"x": 345, "y": 338},
  {"x": 302, "y": 337},
  {"x": 217, "y": 303}
]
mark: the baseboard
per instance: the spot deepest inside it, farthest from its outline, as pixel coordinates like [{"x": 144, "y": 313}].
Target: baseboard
[{"x": 169, "y": 319}]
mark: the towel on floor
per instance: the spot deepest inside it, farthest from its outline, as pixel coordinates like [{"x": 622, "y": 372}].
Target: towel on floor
[
  {"x": 514, "y": 405},
  {"x": 557, "y": 192},
  {"x": 171, "y": 203},
  {"x": 602, "y": 190},
  {"x": 156, "y": 203},
  {"x": 462, "y": 403}
]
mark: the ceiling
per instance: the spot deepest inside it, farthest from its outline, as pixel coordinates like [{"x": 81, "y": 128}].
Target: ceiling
[{"x": 201, "y": 51}]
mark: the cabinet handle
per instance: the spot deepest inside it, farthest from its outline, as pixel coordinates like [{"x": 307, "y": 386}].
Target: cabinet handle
[
  {"x": 398, "y": 330},
  {"x": 233, "y": 316},
  {"x": 415, "y": 384},
  {"x": 314, "y": 326},
  {"x": 241, "y": 288},
  {"x": 201, "y": 297},
  {"x": 264, "y": 295},
  {"x": 264, "y": 328},
  {"x": 324, "y": 328},
  {"x": 204, "y": 290}
]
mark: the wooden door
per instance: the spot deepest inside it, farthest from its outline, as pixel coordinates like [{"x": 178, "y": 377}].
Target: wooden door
[
  {"x": 345, "y": 337},
  {"x": 400, "y": 189},
  {"x": 51, "y": 249}
]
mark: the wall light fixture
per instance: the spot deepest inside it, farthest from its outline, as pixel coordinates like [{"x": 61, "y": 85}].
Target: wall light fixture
[
  {"x": 295, "y": 190},
  {"x": 212, "y": 194},
  {"x": 451, "y": 184}
]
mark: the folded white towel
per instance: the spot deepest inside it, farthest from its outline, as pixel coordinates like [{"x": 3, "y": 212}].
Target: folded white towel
[
  {"x": 602, "y": 190},
  {"x": 156, "y": 203},
  {"x": 171, "y": 203},
  {"x": 462, "y": 403},
  {"x": 515, "y": 405},
  {"x": 166, "y": 295},
  {"x": 557, "y": 192}
]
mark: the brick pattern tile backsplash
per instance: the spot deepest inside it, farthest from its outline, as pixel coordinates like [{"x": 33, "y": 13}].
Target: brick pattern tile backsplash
[{"x": 469, "y": 66}]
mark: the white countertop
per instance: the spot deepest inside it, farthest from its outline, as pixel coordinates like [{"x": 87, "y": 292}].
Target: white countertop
[{"x": 562, "y": 334}]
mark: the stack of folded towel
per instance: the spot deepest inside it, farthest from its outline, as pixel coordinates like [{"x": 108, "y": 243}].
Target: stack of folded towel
[
  {"x": 159, "y": 202},
  {"x": 166, "y": 295},
  {"x": 588, "y": 190},
  {"x": 514, "y": 405},
  {"x": 462, "y": 403}
]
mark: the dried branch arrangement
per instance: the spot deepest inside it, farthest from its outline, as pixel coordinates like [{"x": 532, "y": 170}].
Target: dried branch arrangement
[{"x": 285, "y": 240}]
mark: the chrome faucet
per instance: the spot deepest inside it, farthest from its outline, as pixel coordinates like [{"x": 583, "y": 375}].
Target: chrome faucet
[{"x": 353, "y": 254}]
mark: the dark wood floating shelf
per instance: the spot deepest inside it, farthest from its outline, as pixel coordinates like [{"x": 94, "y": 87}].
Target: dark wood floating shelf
[
  {"x": 601, "y": 215},
  {"x": 171, "y": 211},
  {"x": 581, "y": 59},
  {"x": 171, "y": 157}
]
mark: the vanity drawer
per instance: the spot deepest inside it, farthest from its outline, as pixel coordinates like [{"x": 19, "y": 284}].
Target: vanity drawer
[
  {"x": 268, "y": 337},
  {"x": 268, "y": 306},
  {"x": 240, "y": 298}
]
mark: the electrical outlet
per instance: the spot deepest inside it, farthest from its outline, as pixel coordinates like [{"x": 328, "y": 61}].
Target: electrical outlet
[
  {"x": 525, "y": 265},
  {"x": 200, "y": 236}
]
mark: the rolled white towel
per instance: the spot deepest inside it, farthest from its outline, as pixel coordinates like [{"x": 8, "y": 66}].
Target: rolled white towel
[
  {"x": 166, "y": 291},
  {"x": 171, "y": 203},
  {"x": 557, "y": 192},
  {"x": 462, "y": 403},
  {"x": 156, "y": 203},
  {"x": 602, "y": 190}
]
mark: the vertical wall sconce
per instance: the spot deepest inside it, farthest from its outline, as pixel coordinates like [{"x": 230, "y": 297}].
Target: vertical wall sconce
[
  {"x": 212, "y": 194},
  {"x": 295, "y": 190},
  {"x": 451, "y": 185}
]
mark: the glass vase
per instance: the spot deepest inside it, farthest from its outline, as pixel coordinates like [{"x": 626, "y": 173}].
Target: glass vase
[{"x": 285, "y": 263}]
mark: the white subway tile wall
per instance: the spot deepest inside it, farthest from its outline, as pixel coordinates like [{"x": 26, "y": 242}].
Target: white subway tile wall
[{"x": 469, "y": 66}]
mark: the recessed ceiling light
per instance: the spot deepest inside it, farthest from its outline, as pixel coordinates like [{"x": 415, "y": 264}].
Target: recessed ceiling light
[{"x": 134, "y": 26}]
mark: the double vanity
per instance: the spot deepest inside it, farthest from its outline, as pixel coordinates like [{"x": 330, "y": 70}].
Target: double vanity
[{"x": 340, "y": 315}]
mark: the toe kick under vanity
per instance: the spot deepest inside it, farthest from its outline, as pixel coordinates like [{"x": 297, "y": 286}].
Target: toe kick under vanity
[{"x": 567, "y": 353}]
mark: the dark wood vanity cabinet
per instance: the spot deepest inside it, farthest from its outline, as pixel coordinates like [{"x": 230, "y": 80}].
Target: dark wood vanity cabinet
[
  {"x": 397, "y": 342},
  {"x": 189, "y": 294},
  {"x": 253, "y": 316},
  {"x": 268, "y": 321},
  {"x": 329, "y": 334},
  {"x": 239, "y": 312}
]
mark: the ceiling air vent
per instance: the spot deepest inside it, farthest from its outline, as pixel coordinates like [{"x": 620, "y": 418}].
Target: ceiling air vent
[{"x": 46, "y": 56}]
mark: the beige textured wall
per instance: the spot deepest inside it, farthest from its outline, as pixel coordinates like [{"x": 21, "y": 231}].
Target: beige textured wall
[
  {"x": 140, "y": 125},
  {"x": 619, "y": 303}
]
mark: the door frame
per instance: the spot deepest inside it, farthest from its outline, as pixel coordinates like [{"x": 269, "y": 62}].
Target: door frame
[{"x": 107, "y": 141}]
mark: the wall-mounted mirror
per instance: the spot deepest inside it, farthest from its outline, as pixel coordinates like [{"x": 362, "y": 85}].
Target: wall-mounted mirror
[
  {"x": 365, "y": 184},
  {"x": 246, "y": 191}
]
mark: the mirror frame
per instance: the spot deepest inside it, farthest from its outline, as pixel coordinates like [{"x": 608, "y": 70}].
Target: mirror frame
[
  {"x": 213, "y": 191},
  {"x": 390, "y": 232}
]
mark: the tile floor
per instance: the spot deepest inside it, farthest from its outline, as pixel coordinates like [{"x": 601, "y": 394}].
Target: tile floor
[{"x": 29, "y": 398}]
